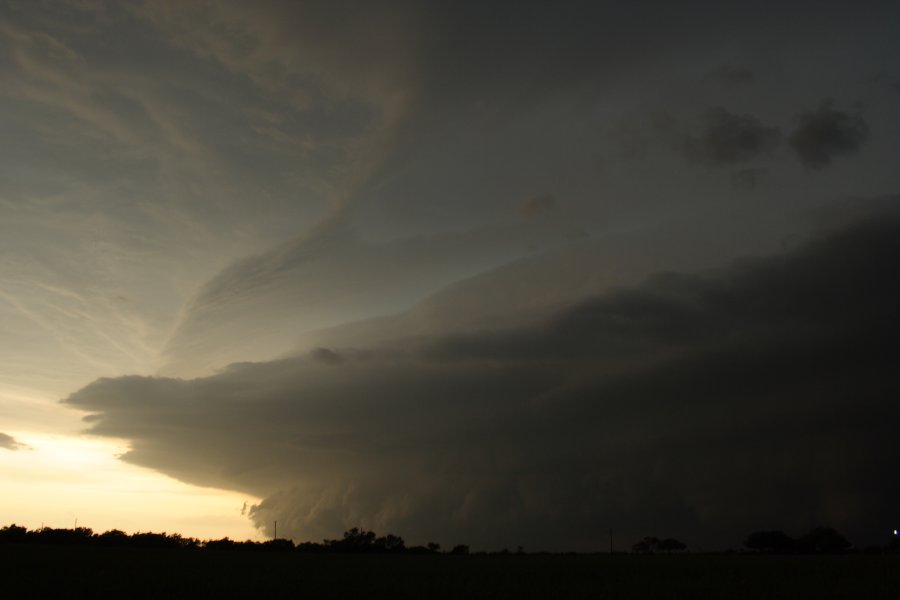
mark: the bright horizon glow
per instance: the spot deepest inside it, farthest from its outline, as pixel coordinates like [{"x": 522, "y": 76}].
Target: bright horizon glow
[{"x": 104, "y": 493}]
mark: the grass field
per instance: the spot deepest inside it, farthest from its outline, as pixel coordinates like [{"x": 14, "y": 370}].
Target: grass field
[{"x": 90, "y": 572}]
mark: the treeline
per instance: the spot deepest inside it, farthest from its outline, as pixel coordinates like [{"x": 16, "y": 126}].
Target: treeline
[
  {"x": 355, "y": 541},
  {"x": 652, "y": 545},
  {"x": 820, "y": 540}
]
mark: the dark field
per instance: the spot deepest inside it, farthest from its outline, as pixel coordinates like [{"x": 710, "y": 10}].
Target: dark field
[{"x": 36, "y": 571}]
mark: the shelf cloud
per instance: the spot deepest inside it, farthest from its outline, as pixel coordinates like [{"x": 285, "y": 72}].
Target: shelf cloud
[{"x": 661, "y": 406}]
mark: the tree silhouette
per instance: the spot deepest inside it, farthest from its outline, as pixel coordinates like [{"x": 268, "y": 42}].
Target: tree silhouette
[
  {"x": 281, "y": 544},
  {"x": 648, "y": 545},
  {"x": 13, "y": 534},
  {"x": 354, "y": 540},
  {"x": 390, "y": 543},
  {"x": 823, "y": 540},
  {"x": 223, "y": 544},
  {"x": 114, "y": 537}
]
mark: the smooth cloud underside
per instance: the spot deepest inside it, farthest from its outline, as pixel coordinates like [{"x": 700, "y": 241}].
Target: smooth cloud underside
[
  {"x": 825, "y": 133},
  {"x": 260, "y": 306},
  {"x": 758, "y": 395}
]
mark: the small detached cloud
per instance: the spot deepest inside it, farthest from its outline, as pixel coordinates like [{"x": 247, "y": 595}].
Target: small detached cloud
[
  {"x": 825, "y": 133},
  {"x": 728, "y": 139},
  {"x": 9, "y": 443}
]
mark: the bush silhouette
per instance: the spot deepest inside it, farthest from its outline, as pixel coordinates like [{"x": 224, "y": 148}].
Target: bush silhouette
[{"x": 823, "y": 540}]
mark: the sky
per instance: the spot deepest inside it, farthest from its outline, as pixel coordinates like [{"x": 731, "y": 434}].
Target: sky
[{"x": 500, "y": 274}]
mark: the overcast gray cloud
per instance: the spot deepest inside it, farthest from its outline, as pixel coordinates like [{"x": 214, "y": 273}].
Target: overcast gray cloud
[
  {"x": 748, "y": 179},
  {"x": 733, "y": 75},
  {"x": 825, "y": 133},
  {"x": 660, "y": 407}
]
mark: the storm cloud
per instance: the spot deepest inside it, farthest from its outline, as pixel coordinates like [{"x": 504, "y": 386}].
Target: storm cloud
[
  {"x": 728, "y": 139},
  {"x": 825, "y": 133},
  {"x": 259, "y": 307},
  {"x": 659, "y": 407},
  {"x": 748, "y": 179},
  {"x": 732, "y": 76},
  {"x": 401, "y": 265}
]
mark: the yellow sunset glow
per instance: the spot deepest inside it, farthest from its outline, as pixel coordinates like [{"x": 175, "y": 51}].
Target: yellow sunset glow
[{"x": 59, "y": 479}]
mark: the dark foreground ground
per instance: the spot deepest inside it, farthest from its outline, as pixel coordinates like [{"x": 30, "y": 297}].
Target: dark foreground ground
[{"x": 30, "y": 571}]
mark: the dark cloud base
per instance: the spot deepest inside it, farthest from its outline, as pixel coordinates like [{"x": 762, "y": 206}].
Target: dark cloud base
[{"x": 762, "y": 395}]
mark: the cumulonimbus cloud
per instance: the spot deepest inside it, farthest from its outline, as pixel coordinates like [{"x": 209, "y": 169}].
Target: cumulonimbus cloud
[{"x": 660, "y": 408}]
